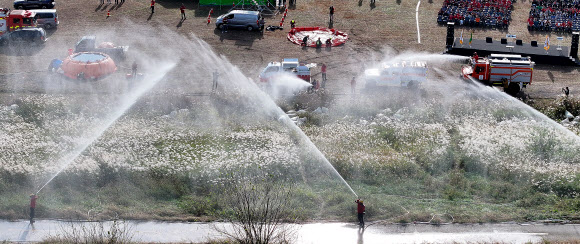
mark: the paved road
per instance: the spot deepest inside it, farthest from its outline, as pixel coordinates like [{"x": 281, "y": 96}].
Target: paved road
[{"x": 21, "y": 231}]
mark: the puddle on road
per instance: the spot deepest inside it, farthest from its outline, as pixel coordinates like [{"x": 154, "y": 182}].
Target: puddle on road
[{"x": 21, "y": 231}]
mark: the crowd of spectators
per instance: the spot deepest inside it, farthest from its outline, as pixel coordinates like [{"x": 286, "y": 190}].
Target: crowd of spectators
[
  {"x": 554, "y": 15},
  {"x": 476, "y": 13}
]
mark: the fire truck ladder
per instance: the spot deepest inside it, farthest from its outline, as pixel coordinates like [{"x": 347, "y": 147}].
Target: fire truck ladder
[{"x": 263, "y": 6}]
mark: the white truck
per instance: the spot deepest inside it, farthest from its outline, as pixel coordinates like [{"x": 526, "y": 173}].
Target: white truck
[
  {"x": 401, "y": 74},
  {"x": 288, "y": 65},
  {"x": 511, "y": 71}
]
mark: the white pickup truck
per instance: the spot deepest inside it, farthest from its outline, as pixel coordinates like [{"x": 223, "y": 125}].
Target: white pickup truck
[
  {"x": 288, "y": 65},
  {"x": 401, "y": 74}
]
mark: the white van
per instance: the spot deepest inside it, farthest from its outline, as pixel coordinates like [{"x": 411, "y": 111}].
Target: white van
[
  {"x": 46, "y": 18},
  {"x": 244, "y": 19}
]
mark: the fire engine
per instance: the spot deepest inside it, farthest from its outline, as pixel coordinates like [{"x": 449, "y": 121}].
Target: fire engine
[
  {"x": 511, "y": 71},
  {"x": 11, "y": 20},
  {"x": 402, "y": 74},
  {"x": 288, "y": 65}
]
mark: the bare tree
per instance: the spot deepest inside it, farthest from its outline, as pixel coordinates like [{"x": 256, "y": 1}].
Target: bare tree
[{"x": 260, "y": 206}]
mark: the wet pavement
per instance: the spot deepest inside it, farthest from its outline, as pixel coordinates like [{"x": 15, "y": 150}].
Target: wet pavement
[{"x": 151, "y": 231}]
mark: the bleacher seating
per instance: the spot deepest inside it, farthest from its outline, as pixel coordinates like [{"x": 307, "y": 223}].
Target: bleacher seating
[
  {"x": 476, "y": 13},
  {"x": 554, "y": 15}
]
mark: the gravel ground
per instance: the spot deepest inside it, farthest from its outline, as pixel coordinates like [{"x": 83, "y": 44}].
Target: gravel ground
[{"x": 375, "y": 31}]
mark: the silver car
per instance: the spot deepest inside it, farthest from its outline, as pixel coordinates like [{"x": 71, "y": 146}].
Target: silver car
[
  {"x": 243, "y": 19},
  {"x": 46, "y": 18}
]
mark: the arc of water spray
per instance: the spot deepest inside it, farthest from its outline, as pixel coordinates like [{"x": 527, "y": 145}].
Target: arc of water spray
[
  {"x": 288, "y": 122},
  {"x": 417, "y": 19},
  {"x": 126, "y": 103}
]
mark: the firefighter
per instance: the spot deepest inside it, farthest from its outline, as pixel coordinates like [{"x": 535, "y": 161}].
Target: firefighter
[
  {"x": 182, "y": 9},
  {"x": 134, "y": 69},
  {"x": 225, "y": 25},
  {"x": 566, "y": 91},
  {"x": 352, "y": 85},
  {"x": 318, "y": 43},
  {"x": 292, "y": 24},
  {"x": 360, "y": 209},
  {"x": 323, "y": 70},
  {"x": 152, "y": 6},
  {"x": 331, "y": 13},
  {"x": 475, "y": 57},
  {"x": 329, "y": 42},
  {"x": 32, "y": 207},
  {"x": 305, "y": 41}
]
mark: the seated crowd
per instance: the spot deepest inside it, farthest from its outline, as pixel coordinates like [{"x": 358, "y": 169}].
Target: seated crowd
[
  {"x": 476, "y": 13},
  {"x": 554, "y": 15}
]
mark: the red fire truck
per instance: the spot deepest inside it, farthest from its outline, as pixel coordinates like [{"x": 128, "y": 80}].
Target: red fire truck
[
  {"x": 11, "y": 20},
  {"x": 513, "y": 72}
]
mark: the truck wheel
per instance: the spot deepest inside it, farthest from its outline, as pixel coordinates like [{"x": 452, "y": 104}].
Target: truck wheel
[
  {"x": 412, "y": 85},
  {"x": 513, "y": 89},
  {"x": 44, "y": 7},
  {"x": 250, "y": 28},
  {"x": 47, "y": 26},
  {"x": 4, "y": 42},
  {"x": 20, "y": 7}
]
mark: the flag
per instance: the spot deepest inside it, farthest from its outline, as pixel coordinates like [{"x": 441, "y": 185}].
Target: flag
[
  {"x": 547, "y": 43},
  {"x": 461, "y": 38},
  {"x": 470, "y": 38}
]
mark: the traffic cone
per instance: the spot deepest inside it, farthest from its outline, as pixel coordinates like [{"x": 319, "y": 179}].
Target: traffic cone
[
  {"x": 108, "y": 13},
  {"x": 282, "y": 19},
  {"x": 208, "y": 20},
  {"x": 281, "y": 23},
  {"x": 284, "y": 14},
  {"x": 211, "y": 11}
]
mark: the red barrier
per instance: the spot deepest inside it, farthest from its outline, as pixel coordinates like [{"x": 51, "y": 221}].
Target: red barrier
[{"x": 298, "y": 33}]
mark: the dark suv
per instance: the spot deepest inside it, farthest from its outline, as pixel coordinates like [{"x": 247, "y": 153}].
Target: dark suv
[
  {"x": 32, "y": 4},
  {"x": 24, "y": 36}
]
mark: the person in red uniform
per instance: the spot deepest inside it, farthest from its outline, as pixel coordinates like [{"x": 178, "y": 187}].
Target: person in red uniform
[
  {"x": 360, "y": 209},
  {"x": 152, "y": 6},
  {"x": 475, "y": 57},
  {"x": 32, "y": 207},
  {"x": 182, "y": 9}
]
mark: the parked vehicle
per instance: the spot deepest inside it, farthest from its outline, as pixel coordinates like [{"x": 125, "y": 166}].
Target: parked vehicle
[
  {"x": 511, "y": 71},
  {"x": 243, "y": 19},
  {"x": 288, "y": 65},
  {"x": 88, "y": 44},
  {"x": 24, "y": 36},
  {"x": 402, "y": 74},
  {"x": 31, "y": 4},
  {"x": 11, "y": 20},
  {"x": 47, "y": 18}
]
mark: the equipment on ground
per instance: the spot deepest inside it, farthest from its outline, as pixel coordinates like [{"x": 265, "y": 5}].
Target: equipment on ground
[
  {"x": 88, "y": 44},
  {"x": 402, "y": 74},
  {"x": 10, "y": 20},
  {"x": 513, "y": 72},
  {"x": 288, "y": 66}
]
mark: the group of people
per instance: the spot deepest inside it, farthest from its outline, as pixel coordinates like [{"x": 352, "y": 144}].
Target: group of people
[
  {"x": 554, "y": 15},
  {"x": 318, "y": 42},
  {"x": 315, "y": 84},
  {"x": 476, "y": 13}
]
